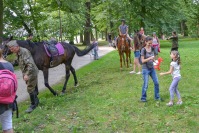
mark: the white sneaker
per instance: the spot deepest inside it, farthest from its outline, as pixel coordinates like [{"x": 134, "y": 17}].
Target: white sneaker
[
  {"x": 132, "y": 72},
  {"x": 179, "y": 102},
  {"x": 138, "y": 73}
]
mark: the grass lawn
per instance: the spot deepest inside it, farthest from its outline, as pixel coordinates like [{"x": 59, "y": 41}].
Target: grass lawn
[{"x": 107, "y": 100}]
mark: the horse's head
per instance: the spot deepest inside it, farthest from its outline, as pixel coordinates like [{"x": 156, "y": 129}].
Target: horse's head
[
  {"x": 122, "y": 36},
  {"x": 122, "y": 39},
  {"x": 4, "y": 47},
  {"x": 139, "y": 38}
]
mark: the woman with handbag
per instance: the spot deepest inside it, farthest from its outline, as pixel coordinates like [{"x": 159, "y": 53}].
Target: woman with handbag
[{"x": 156, "y": 45}]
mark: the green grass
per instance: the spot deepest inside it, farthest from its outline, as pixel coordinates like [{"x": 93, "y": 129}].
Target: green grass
[{"x": 107, "y": 100}]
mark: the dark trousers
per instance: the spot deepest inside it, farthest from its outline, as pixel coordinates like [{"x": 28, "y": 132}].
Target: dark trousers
[{"x": 174, "y": 49}]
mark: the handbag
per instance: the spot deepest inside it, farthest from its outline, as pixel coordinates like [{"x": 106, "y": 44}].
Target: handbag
[{"x": 158, "y": 48}]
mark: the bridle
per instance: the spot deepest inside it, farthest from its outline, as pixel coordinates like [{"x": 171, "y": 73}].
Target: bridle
[{"x": 5, "y": 49}]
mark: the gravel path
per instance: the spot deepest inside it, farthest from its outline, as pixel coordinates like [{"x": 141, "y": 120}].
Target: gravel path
[{"x": 57, "y": 73}]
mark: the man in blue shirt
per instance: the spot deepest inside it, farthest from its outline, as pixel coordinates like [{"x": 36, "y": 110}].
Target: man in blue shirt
[{"x": 123, "y": 30}]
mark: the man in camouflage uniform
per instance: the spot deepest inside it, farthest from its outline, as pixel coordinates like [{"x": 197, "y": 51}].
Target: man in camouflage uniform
[{"x": 29, "y": 71}]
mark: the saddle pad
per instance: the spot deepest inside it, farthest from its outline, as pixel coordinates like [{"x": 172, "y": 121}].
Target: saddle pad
[{"x": 59, "y": 48}]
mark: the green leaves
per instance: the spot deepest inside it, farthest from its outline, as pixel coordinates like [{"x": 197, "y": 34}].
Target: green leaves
[{"x": 43, "y": 19}]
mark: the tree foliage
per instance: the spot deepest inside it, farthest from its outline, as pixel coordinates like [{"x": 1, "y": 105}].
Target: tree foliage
[{"x": 42, "y": 18}]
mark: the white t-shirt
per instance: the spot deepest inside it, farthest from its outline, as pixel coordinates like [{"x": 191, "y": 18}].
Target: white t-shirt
[
  {"x": 176, "y": 69},
  {"x": 155, "y": 41}
]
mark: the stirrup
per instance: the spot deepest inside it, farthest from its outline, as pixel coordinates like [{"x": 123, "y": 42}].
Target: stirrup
[{"x": 51, "y": 63}]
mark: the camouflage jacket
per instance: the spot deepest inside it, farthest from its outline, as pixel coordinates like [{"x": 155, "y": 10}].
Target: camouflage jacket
[
  {"x": 26, "y": 62},
  {"x": 174, "y": 41}
]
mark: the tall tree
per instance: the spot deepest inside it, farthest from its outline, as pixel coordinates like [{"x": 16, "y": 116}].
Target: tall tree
[
  {"x": 87, "y": 27},
  {"x": 1, "y": 20}
]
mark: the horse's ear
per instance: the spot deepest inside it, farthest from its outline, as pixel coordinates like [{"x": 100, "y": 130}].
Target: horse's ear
[{"x": 10, "y": 38}]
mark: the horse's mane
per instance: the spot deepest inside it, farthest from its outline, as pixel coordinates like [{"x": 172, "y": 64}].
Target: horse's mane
[
  {"x": 136, "y": 40},
  {"x": 139, "y": 40}
]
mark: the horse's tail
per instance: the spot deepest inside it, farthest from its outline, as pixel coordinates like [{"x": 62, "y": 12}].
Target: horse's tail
[{"x": 83, "y": 52}]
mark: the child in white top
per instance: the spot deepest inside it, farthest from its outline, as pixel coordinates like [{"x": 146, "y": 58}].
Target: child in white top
[{"x": 175, "y": 72}]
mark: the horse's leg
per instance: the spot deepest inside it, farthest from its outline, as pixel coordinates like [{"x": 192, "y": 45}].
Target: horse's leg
[
  {"x": 74, "y": 75},
  {"x": 45, "y": 73},
  {"x": 120, "y": 60},
  {"x": 127, "y": 59},
  {"x": 130, "y": 57},
  {"x": 124, "y": 59},
  {"x": 66, "y": 78}
]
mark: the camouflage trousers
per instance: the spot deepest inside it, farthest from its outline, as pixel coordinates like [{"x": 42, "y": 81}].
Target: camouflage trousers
[{"x": 31, "y": 83}]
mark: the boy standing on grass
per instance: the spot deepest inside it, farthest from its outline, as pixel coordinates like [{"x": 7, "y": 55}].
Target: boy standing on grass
[{"x": 175, "y": 72}]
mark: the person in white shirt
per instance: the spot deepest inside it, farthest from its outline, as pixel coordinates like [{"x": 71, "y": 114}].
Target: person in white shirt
[{"x": 175, "y": 72}]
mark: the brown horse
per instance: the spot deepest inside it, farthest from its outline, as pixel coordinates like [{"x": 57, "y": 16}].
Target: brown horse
[{"x": 124, "y": 47}]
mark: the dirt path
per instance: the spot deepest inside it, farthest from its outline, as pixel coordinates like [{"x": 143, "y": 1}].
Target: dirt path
[{"x": 57, "y": 73}]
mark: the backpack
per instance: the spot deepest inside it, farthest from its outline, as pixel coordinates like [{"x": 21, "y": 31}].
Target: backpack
[
  {"x": 140, "y": 59},
  {"x": 8, "y": 86}
]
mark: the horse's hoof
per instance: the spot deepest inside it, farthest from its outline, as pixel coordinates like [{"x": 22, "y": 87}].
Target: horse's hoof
[
  {"x": 76, "y": 85},
  {"x": 62, "y": 93},
  {"x": 55, "y": 94}
]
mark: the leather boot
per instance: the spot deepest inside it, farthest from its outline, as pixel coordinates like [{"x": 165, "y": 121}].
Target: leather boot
[
  {"x": 36, "y": 90},
  {"x": 34, "y": 102}
]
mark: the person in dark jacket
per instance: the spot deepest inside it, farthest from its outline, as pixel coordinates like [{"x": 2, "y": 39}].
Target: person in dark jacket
[{"x": 174, "y": 39}]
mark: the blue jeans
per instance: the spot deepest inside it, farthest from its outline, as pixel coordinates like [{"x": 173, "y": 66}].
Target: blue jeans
[
  {"x": 95, "y": 54},
  {"x": 145, "y": 74}
]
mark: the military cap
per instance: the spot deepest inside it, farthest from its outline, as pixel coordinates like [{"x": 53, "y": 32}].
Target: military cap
[{"x": 12, "y": 43}]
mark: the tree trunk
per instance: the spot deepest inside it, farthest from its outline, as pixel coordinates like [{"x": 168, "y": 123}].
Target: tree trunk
[
  {"x": 92, "y": 36},
  {"x": 81, "y": 38},
  {"x": 106, "y": 35},
  {"x": 143, "y": 12},
  {"x": 33, "y": 18},
  {"x": 102, "y": 35},
  {"x": 87, "y": 25},
  {"x": 96, "y": 33},
  {"x": 111, "y": 25},
  {"x": 76, "y": 39},
  {"x": 184, "y": 29},
  {"x": 1, "y": 19},
  {"x": 198, "y": 30}
]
